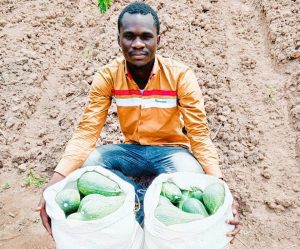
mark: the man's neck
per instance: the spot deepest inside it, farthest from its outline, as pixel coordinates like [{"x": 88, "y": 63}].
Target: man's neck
[{"x": 141, "y": 74}]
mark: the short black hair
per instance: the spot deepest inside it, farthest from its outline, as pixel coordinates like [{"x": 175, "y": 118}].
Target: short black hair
[{"x": 139, "y": 8}]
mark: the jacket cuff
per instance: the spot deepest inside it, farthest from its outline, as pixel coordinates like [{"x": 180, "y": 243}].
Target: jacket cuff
[
  {"x": 65, "y": 167},
  {"x": 214, "y": 171}
]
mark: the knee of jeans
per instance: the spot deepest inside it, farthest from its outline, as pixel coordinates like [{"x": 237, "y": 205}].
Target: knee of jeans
[
  {"x": 93, "y": 159},
  {"x": 186, "y": 162}
]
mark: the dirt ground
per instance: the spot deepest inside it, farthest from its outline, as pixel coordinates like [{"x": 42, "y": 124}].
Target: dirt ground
[{"x": 246, "y": 56}]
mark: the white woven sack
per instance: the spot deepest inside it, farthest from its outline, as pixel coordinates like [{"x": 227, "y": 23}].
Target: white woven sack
[
  {"x": 117, "y": 230},
  {"x": 207, "y": 233}
]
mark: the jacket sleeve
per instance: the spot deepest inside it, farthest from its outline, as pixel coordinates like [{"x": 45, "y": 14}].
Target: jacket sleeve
[
  {"x": 191, "y": 104},
  {"x": 88, "y": 130}
]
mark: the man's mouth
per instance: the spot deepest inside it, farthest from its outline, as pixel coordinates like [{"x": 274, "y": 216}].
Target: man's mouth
[{"x": 138, "y": 55}]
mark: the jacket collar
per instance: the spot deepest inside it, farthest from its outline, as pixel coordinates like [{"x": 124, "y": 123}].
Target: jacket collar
[{"x": 154, "y": 71}]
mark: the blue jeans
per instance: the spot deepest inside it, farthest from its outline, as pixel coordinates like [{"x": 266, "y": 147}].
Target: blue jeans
[{"x": 132, "y": 160}]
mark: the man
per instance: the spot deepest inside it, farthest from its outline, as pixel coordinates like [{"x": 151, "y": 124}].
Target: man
[{"x": 153, "y": 95}]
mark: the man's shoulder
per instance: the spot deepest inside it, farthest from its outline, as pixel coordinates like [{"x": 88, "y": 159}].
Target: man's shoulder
[
  {"x": 172, "y": 64},
  {"x": 113, "y": 66}
]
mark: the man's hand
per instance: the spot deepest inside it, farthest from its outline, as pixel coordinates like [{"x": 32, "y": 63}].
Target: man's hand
[
  {"x": 235, "y": 221},
  {"x": 42, "y": 204},
  {"x": 44, "y": 216}
]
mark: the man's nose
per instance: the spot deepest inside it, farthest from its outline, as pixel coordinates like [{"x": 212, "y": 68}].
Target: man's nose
[{"x": 138, "y": 43}]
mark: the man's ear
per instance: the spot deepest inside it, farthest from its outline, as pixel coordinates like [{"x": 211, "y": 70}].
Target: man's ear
[
  {"x": 119, "y": 42},
  {"x": 158, "y": 40}
]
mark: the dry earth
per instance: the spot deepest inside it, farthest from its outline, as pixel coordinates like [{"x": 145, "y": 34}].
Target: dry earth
[{"x": 246, "y": 55}]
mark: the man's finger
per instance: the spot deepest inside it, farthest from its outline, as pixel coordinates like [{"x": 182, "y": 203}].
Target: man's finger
[
  {"x": 234, "y": 222},
  {"x": 232, "y": 241},
  {"x": 234, "y": 232},
  {"x": 40, "y": 207}
]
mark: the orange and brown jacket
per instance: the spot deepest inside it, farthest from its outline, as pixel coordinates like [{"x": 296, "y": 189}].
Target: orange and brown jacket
[{"x": 152, "y": 116}]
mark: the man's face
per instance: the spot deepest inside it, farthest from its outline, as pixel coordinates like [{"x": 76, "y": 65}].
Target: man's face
[{"x": 138, "y": 38}]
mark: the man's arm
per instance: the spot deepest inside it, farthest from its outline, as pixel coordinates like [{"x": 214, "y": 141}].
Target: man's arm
[
  {"x": 87, "y": 133},
  {"x": 191, "y": 104},
  {"x": 84, "y": 138}
]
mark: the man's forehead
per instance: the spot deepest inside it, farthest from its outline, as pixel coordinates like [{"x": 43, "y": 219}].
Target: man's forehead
[{"x": 130, "y": 21}]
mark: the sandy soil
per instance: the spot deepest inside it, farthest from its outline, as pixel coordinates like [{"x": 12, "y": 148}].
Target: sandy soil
[{"x": 246, "y": 55}]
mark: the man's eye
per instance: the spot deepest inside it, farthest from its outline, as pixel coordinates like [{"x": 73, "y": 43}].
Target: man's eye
[
  {"x": 128, "y": 36},
  {"x": 147, "y": 37}
]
